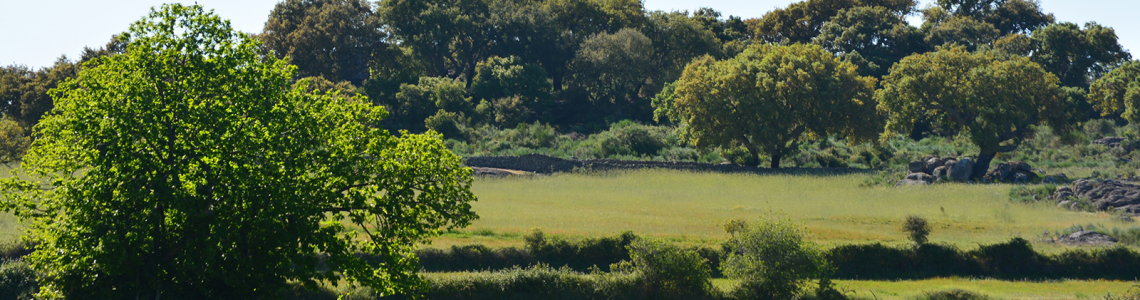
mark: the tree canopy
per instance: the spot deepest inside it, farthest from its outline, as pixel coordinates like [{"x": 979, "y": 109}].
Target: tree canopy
[
  {"x": 335, "y": 39},
  {"x": 770, "y": 98},
  {"x": 995, "y": 102},
  {"x": 1119, "y": 91},
  {"x": 188, "y": 168}
]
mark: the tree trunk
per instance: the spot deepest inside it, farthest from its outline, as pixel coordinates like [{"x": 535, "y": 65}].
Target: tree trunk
[
  {"x": 755, "y": 161},
  {"x": 776, "y": 160},
  {"x": 983, "y": 164}
]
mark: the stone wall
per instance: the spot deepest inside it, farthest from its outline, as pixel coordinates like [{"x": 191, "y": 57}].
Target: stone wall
[{"x": 545, "y": 164}]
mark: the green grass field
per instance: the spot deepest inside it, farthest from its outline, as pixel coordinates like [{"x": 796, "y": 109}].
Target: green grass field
[{"x": 691, "y": 207}]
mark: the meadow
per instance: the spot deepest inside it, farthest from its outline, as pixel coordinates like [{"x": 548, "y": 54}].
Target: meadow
[{"x": 690, "y": 208}]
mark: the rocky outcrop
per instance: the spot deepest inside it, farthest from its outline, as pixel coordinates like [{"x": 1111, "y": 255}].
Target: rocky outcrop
[
  {"x": 1115, "y": 142},
  {"x": 934, "y": 168},
  {"x": 1087, "y": 238},
  {"x": 1011, "y": 172},
  {"x": 1104, "y": 195}
]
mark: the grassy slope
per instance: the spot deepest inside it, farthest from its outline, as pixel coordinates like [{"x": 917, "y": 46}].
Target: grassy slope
[{"x": 692, "y": 206}]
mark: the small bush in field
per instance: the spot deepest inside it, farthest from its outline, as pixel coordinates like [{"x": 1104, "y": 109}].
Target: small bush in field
[
  {"x": 17, "y": 280},
  {"x": 669, "y": 271},
  {"x": 954, "y": 294},
  {"x": 917, "y": 229},
  {"x": 774, "y": 261}
]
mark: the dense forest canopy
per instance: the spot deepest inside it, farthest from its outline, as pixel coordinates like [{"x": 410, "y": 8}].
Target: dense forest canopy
[{"x": 581, "y": 65}]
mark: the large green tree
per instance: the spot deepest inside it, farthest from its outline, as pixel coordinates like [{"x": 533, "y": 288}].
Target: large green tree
[
  {"x": 335, "y": 39},
  {"x": 187, "y": 168},
  {"x": 1077, "y": 56},
  {"x": 993, "y": 101},
  {"x": 771, "y": 98}
]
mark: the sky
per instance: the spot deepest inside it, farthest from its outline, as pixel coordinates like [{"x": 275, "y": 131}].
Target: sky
[{"x": 37, "y": 32}]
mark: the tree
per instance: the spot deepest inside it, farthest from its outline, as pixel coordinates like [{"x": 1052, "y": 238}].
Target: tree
[
  {"x": 773, "y": 261},
  {"x": 802, "y": 21},
  {"x": 668, "y": 271},
  {"x": 916, "y": 228},
  {"x": 24, "y": 93},
  {"x": 1119, "y": 91},
  {"x": 1008, "y": 16},
  {"x": 612, "y": 69},
  {"x": 677, "y": 39},
  {"x": 501, "y": 80},
  {"x": 1076, "y": 56},
  {"x": 875, "y": 34},
  {"x": 994, "y": 102},
  {"x": 13, "y": 141},
  {"x": 187, "y": 168},
  {"x": 453, "y": 35},
  {"x": 417, "y": 102},
  {"x": 941, "y": 28},
  {"x": 334, "y": 39},
  {"x": 771, "y": 98}
]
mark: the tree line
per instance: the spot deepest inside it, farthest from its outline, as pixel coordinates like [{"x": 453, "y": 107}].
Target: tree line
[{"x": 580, "y": 65}]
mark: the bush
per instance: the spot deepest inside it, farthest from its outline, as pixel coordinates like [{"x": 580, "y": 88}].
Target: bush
[
  {"x": 538, "y": 282},
  {"x": 917, "y": 229},
  {"x": 17, "y": 280},
  {"x": 668, "y": 271},
  {"x": 773, "y": 261},
  {"x": 449, "y": 124},
  {"x": 955, "y": 294}
]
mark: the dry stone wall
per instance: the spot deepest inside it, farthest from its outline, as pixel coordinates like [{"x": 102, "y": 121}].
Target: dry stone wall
[{"x": 546, "y": 164}]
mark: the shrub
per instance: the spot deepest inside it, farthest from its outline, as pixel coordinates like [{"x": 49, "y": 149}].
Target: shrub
[
  {"x": 667, "y": 270},
  {"x": 13, "y": 140},
  {"x": 916, "y": 228},
  {"x": 773, "y": 261},
  {"x": 955, "y": 294},
  {"x": 449, "y": 124},
  {"x": 17, "y": 280}
]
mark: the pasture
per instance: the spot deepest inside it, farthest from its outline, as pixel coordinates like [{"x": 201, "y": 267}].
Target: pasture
[{"x": 690, "y": 208}]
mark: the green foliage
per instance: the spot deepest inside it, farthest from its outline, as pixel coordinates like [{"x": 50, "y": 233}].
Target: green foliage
[
  {"x": 14, "y": 141},
  {"x": 1077, "y": 56},
  {"x": 802, "y": 21},
  {"x": 612, "y": 68},
  {"x": 506, "y": 77},
  {"x": 1031, "y": 194},
  {"x": 954, "y": 294},
  {"x": 450, "y": 124},
  {"x": 875, "y": 34},
  {"x": 417, "y": 102},
  {"x": 223, "y": 183},
  {"x": 17, "y": 280},
  {"x": 773, "y": 261},
  {"x": 669, "y": 271},
  {"x": 1119, "y": 92},
  {"x": 996, "y": 102},
  {"x": 916, "y": 228},
  {"x": 334, "y": 39},
  {"x": 771, "y": 98},
  {"x": 537, "y": 282}
]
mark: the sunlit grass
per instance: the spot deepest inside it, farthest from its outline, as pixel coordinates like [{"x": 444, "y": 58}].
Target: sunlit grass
[
  {"x": 1012, "y": 290},
  {"x": 692, "y": 206}
]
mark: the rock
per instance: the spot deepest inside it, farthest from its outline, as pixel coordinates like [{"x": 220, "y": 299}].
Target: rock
[
  {"x": 920, "y": 176},
  {"x": 962, "y": 169},
  {"x": 1115, "y": 142},
  {"x": 1050, "y": 180},
  {"x": 1105, "y": 195},
  {"x": 906, "y": 182},
  {"x": 1020, "y": 166},
  {"x": 932, "y": 164},
  {"x": 1087, "y": 238},
  {"x": 1064, "y": 204},
  {"x": 1001, "y": 172},
  {"x": 1020, "y": 177},
  {"x": 941, "y": 172},
  {"x": 916, "y": 167}
]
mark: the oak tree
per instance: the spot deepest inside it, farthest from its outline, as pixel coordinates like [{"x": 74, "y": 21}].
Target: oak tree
[
  {"x": 769, "y": 99},
  {"x": 993, "y": 101},
  {"x": 1119, "y": 92}
]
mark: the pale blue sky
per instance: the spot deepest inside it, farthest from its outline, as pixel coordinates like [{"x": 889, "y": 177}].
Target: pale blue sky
[{"x": 36, "y": 32}]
